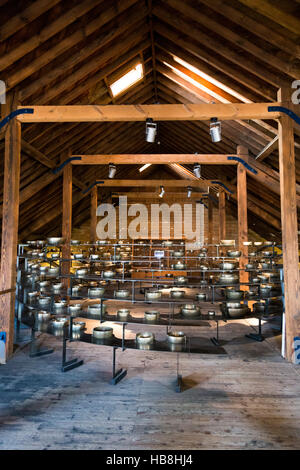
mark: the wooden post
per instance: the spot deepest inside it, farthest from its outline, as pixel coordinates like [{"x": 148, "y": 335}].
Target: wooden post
[
  {"x": 222, "y": 215},
  {"x": 242, "y": 214},
  {"x": 67, "y": 220},
  {"x": 94, "y": 203},
  {"x": 10, "y": 219},
  {"x": 210, "y": 225},
  {"x": 289, "y": 225}
]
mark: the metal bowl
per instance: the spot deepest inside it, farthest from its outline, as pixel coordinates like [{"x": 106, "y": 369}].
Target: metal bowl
[
  {"x": 267, "y": 254},
  {"x": 81, "y": 272},
  {"x": 180, "y": 280},
  {"x": 145, "y": 338},
  {"x": 44, "y": 300},
  {"x": 250, "y": 266},
  {"x": 96, "y": 291},
  {"x": 78, "y": 325},
  {"x": 95, "y": 309},
  {"x": 57, "y": 287},
  {"x": 42, "y": 315},
  {"x": 232, "y": 294},
  {"x": 179, "y": 266},
  {"x": 234, "y": 254},
  {"x": 257, "y": 243},
  {"x": 33, "y": 294},
  {"x": 247, "y": 243},
  {"x": 177, "y": 294},
  {"x": 109, "y": 274},
  {"x": 237, "y": 312},
  {"x": 54, "y": 255},
  {"x": 153, "y": 295},
  {"x": 74, "y": 308},
  {"x": 121, "y": 294},
  {"x": 178, "y": 254},
  {"x": 151, "y": 316},
  {"x": 233, "y": 304},
  {"x": 75, "y": 242},
  {"x": 176, "y": 337},
  {"x": 228, "y": 278},
  {"x": 102, "y": 332},
  {"x": 79, "y": 255},
  {"x": 101, "y": 242},
  {"x": 167, "y": 243},
  {"x": 59, "y": 322},
  {"x": 255, "y": 280},
  {"x": 55, "y": 241},
  {"x": 60, "y": 304},
  {"x": 200, "y": 296},
  {"x": 123, "y": 314},
  {"x": 94, "y": 256},
  {"x": 190, "y": 310},
  {"x": 226, "y": 266}
]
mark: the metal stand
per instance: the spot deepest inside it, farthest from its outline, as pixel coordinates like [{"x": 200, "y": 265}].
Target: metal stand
[
  {"x": 73, "y": 363},
  {"x": 257, "y": 336},
  {"x": 215, "y": 339},
  {"x": 179, "y": 381},
  {"x": 120, "y": 374},
  {"x": 34, "y": 351}
]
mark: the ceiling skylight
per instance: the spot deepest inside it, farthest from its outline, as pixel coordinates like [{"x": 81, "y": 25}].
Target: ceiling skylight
[{"x": 129, "y": 79}]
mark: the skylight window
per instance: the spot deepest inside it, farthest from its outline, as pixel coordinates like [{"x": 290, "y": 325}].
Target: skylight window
[{"x": 129, "y": 79}]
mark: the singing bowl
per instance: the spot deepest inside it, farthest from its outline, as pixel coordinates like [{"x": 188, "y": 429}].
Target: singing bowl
[
  {"x": 145, "y": 338},
  {"x": 178, "y": 254},
  {"x": 109, "y": 274},
  {"x": 59, "y": 322},
  {"x": 102, "y": 332},
  {"x": 178, "y": 266},
  {"x": 237, "y": 312},
  {"x": 95, "y": 309},
  {"x": 123, "y": 314},
  {"x": 151, "y": 315},
  {"x": 44, "y": 300},
  {"x": 177, "y": 294},
  {"x": 55, "y": 240},
  {"x": 226, "y": 266},
  {"x": 96, "y": 291},
  {"x": 228, "y": 279},
  {"x": 176, "y": 337},
  {"x": 153, "y": 295},
  {"x": 180, "y": 280},
  {"x": 54, "y": 255},
  {"x": 167, "y": 243},
  {"x": 53, "y": 271},
  {"x": 78, "y": 325},
  {"x": 31, "y": 295},
  {"x": 81, "y": 272},
  {"x": 190, "y": 310},
  {"x": 200, "y": 296},
  {"x": 121, "y": 294},
  {"x": 74, "y": 308},
  {"x": 233, "y": 304},
  {"x": 42, "y": 315},
  {"x": 57, "y": 287},
  {"x": 94, "y": 257},
  {"x": 234, "y": 254},
  {"x": 60, "y": 304},
  {"x": 79, "y": 255},
  {"x": 75, "y": 242},
  {"x": 234, "y": 294}
]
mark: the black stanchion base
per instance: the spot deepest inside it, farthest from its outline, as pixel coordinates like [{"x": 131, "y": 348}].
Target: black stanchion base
[
  {"x": 255, "y": 337},
  {"x": 179, "y": 384},
  {"x": 72, "y": 364},
  {"x": 119, "y": 376},
  {"x": 41, "y": 352},
  {"x": 214, "y": 341}
]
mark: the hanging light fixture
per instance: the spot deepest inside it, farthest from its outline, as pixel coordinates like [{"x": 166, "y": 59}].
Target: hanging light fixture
[
  {"x": 111, "y": 170},
  {"x": 189, "y": 191},
  {"x": 162, "y": 191},
  {"x": 197, "y": 170},
  {"x": 151, "y": 129},
  {"x": 215, "y": 130}
]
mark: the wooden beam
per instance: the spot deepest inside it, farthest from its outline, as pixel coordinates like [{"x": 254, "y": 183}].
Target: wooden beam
[
  {"x": 145, "y": 195},
  {"x": 93, "y": 223},
  {"x": 210, "y": 226},
  {"x": 67, "y": 220},
  {"x": 163, "y": 159},
  {"x": 201, "y": 184},
  {"x": 12, "y": 161},
  {"x": 158, "y": 112},
  {"x": 222, "y": 215},
  {"x": 242, "y": 214},
  {"x": 289, "y": 227},
  {"x": 267, "y": 150}
]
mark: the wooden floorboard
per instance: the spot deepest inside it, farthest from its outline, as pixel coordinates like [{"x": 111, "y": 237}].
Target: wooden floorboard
[{"x": 247, "y": 399}]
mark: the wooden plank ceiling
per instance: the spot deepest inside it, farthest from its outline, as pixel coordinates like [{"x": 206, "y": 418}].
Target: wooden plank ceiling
[{"x": 68, "y": 52}]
